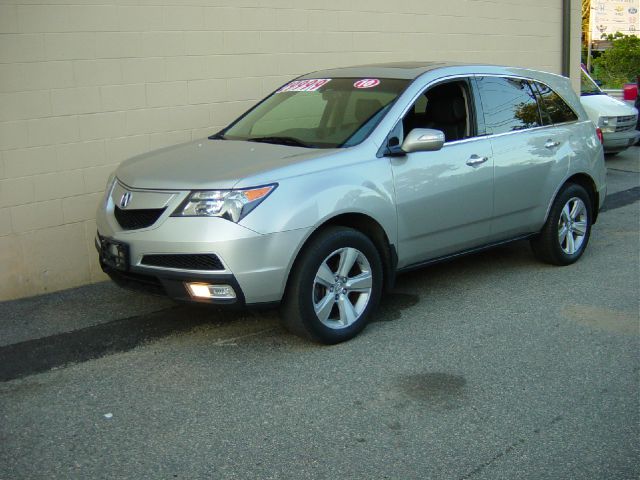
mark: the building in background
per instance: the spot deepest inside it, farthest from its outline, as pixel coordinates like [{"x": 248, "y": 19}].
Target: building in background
[
  {"x": 84, "y": 85},
  {"x": 612, "y": 16}
]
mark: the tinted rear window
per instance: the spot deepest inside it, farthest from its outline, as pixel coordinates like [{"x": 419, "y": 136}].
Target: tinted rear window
[{"x": 554, "y": 108}]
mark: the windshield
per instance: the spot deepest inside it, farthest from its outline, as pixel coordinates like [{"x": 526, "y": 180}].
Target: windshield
[
  {"x": 319, "y": 113},
  {"x": 588, "y": 86}
]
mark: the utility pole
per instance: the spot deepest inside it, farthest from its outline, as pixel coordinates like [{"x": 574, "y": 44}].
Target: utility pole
[
  {"x": 589, "y": 39},
  {"x": 587, "y": 19}
]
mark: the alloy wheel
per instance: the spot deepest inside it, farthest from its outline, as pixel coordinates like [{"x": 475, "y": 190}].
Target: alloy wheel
[
  {"x": 572, "y": 226},
  {"x": 342, "y": 288}
]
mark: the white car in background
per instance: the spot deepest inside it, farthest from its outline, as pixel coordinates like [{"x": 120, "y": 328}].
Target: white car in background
[{"x": 616, "y": 119}]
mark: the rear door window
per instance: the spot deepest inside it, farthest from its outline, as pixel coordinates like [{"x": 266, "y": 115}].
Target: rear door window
[
  {"x": 554, "y": 108},
  {"x": 509, "y": 104}
]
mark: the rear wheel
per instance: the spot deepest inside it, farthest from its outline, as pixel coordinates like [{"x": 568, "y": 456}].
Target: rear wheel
[
  {"x": 335, "y": 285},
  {"x": 565, "y": 235}
]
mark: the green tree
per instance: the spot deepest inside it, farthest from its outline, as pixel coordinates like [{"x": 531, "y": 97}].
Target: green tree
[
  {"x": 619, "y": 64},
  {"x": 586, "y": 10}
]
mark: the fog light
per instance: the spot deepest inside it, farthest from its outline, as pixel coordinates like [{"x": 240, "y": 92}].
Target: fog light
[{"x": 205, "y": 290}]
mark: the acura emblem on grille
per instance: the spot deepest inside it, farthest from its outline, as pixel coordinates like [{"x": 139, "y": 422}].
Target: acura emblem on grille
[{"x": 125, "y": 199}]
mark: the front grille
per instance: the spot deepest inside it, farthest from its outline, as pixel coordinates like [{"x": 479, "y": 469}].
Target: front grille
[
  {"x": 184, "y": 261},
  {"x": 135, "y": 219},
  {"x": 625, "y": 119},
  {"x": 625, "y": 123}
]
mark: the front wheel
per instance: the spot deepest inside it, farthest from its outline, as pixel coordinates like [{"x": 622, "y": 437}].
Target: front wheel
[
  {"x": 565, "y": 235},
  {"x": 335, "y": 285}
]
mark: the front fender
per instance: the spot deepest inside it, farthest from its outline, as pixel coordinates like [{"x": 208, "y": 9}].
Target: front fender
[{"x": 308, "y": 201}]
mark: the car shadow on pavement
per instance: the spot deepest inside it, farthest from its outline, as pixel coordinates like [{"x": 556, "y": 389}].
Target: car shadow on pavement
[{"x": 41, "y": 354}]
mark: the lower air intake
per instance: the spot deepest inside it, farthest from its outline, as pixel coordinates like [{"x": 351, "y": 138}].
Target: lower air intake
[{"x": 184, "y": 261}]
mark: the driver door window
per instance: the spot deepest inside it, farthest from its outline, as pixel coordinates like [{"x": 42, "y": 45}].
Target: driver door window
[{"x": 445, "y": 107}]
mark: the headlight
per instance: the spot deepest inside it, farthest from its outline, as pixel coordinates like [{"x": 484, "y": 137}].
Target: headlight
[
  {"x": 607, "y": 124},
  {"x": 233, "y": 205}
]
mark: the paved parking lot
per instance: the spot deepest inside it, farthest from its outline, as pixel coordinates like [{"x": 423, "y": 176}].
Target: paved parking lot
[{"x": 490, "y": 367}]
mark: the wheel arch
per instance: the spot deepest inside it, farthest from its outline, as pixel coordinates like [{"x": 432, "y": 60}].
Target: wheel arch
[
  {"x": 367, "y": 226},
  {"x": 586, "y": 182}
]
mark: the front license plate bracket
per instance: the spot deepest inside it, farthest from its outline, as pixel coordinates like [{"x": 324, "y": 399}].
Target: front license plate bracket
[{"x": 114, "y": 254}]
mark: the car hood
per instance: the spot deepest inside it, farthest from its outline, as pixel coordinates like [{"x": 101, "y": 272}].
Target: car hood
[
  {"x": 208, "y": 164},
  {"x": 605, "y": 106}
]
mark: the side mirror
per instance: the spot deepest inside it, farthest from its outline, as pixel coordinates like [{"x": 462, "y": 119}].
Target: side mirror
[{"x": 423, "y": 140}]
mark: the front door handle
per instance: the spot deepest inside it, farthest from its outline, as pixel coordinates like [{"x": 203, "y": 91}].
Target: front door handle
[
  {"x": 475, "y": 160},
  {"x": 551, "y": 144}
]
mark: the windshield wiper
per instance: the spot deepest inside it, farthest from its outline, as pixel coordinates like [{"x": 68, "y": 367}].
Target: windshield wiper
[
  {"x": 293, "y": 142},
  {"x": 217, "y": 136}
]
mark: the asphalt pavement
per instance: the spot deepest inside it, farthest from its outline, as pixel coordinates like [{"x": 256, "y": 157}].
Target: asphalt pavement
[{"x": 489, "y": 367}]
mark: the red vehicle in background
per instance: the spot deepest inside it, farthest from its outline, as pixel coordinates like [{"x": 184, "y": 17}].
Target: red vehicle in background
[{"x": 630, "y": 91}]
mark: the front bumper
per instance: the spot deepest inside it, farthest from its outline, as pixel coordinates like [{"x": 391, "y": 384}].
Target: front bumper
[
  {"x": 255, "y": 265},
  {"x": 172, "y": 284},
  {"x": 618, "y": 141}
]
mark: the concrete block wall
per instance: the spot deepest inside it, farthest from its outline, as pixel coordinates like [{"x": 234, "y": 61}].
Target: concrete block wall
[{"x": 85, "y": 84}]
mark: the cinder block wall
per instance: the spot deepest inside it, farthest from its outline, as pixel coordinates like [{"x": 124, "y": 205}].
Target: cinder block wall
[{"x": 84, "y": 86}]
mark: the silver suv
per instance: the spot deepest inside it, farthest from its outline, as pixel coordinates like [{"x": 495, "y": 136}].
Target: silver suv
[{"x": 339, "y": 180}]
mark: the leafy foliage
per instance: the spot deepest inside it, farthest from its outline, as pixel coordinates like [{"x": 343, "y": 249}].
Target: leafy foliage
[
  {"x": 621, "y": 63},
  {"x": 586, "y": 10}
]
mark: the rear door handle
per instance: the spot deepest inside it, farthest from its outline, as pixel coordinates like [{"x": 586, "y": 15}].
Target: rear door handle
[
  {"x": 475, "y": 160},
  {"x": 551, "y": 144}
]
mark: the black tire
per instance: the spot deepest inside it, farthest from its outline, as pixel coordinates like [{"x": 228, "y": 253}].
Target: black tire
[
  {"x": 547, "y": 245},
  {"x": 304, "y": 287}
]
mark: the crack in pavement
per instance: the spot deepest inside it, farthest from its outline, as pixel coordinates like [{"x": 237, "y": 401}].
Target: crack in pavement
[{"x": 506, "y": 451}]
